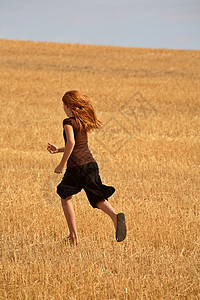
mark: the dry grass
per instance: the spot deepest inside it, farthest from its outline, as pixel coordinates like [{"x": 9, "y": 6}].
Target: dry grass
[{"x": 148, "y": 149}]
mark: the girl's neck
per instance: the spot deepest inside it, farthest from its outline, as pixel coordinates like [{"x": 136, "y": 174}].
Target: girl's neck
[{"x": 70, "y": 114}]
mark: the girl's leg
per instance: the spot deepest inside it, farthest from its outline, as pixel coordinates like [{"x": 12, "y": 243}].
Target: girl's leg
[
  {"x": 70, "y": 217},
  {"x": 106, "y": 207},
  {"x": 118, "y": 219}
]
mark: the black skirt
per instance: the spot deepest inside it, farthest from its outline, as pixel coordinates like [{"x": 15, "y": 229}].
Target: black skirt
[{"x": 84, "y": 177}]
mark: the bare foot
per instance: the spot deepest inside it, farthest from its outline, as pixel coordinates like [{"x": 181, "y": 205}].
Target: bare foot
[
  {"x": 121, "y": 227},
  {"x": 71, "y": 240}
]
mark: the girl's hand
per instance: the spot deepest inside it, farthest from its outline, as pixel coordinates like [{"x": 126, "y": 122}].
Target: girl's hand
[
  {"x": 58, "y": 169},
  {"x": 52, "y": 148}
]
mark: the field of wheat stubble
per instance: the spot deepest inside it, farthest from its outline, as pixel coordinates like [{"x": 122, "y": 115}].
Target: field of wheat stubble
[{"x": 148, "y": 149}]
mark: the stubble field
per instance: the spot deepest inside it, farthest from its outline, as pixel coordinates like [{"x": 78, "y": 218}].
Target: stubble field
[{"x": 148, "y": 149}]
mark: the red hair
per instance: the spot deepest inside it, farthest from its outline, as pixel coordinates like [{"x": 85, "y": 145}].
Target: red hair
[{"x": 82, "y": 109}]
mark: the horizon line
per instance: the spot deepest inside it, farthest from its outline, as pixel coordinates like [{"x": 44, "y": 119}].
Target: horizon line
[{"x": 98, "y": 45}]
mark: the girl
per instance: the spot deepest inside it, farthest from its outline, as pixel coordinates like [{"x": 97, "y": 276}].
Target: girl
[{"x": 82, "y": 169}]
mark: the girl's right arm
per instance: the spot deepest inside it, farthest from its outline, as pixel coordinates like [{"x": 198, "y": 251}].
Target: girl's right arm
[{"x": 54, "y": 149}]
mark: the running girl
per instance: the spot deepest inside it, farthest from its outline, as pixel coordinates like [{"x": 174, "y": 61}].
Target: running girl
[{"x": 82, "y": 170}]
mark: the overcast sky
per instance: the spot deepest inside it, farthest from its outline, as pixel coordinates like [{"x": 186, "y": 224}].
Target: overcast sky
[{"x": 171, "y": 24}]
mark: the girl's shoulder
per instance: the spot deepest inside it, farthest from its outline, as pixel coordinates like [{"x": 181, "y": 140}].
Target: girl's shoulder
[{"x": 69, "y": 121}]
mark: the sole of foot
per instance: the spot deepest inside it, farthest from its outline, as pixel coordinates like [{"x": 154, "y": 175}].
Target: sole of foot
[{"x": 121, "y": 227}]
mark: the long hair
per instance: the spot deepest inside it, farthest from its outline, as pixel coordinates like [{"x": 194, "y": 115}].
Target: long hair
[{"x": 82, "y": 109}]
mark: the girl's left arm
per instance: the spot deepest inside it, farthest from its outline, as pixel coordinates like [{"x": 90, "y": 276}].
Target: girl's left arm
[
  {"x": 68, "y": 148},
  {"x": 67, "y": 151},
  {"x": 61, "y": 149}
]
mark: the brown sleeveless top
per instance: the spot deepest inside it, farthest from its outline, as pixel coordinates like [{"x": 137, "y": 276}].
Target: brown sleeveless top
[{"x": 81, "y": 154}]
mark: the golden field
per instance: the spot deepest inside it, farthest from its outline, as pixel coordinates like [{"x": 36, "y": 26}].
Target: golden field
[{"x": 148, "y": 149}]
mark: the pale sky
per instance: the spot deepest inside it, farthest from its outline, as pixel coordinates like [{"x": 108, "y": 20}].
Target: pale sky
[{"x": 170, "y": 24}]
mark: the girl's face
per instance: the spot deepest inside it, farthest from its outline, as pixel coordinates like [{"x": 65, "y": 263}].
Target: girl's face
[{"x": 67, "y": 110}]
